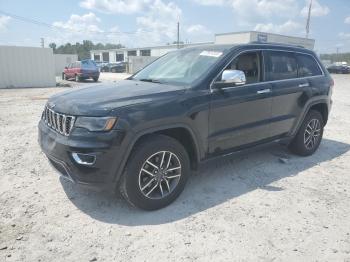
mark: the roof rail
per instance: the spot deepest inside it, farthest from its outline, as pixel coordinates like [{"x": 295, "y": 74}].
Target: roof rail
[{"x": 275, "y": 43}]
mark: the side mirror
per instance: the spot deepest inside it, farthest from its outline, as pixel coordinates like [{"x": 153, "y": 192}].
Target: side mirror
[
  {"x": 235, "y": 77},
  {"x": 66, "y": 67}
]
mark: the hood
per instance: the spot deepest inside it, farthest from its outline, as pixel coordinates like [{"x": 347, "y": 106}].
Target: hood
[{"x": 99, "y": 100}]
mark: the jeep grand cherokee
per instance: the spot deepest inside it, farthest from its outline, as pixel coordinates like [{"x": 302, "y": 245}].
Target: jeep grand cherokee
[{"x": 143, "y": 135}]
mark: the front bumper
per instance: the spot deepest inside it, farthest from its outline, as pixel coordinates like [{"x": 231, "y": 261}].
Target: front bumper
[{"x": 104, "y": 146}]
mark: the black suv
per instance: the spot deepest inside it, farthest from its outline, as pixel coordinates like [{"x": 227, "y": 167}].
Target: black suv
[{"x": 144, "y": 134}]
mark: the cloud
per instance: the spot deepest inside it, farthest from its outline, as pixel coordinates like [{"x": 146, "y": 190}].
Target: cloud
[
  {"x": 4, "y": 20},
  {"x": 316, "y": 10},
  {"x": 287, "y": 27},
  {"x": 115, "y": 6},
  {"x": 84, "y": 24},
  {"x": 197, "y": 29},
  {"x": 158, "y": 25},
  {"x": 347, "y": 20},
  {"x": 345, "y": 36},
  {"x": 210, "y": 2}
]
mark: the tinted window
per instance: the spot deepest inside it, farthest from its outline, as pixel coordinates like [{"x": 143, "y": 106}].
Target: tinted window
[
  {"x": 307, "y": 66},
  {"x": 280, "y": 65},
  {"x": 249, "y": 63},
  {"x": 145, "y": 52}
]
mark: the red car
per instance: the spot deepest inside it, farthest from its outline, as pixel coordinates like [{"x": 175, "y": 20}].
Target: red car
[{"x": 80, "y": 70}]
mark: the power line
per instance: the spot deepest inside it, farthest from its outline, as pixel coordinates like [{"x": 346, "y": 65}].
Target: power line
[{"x": 52, "y": 27}]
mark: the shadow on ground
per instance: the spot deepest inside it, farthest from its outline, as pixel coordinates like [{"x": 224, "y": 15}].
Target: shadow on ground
[{"x": 213, "y": 184}]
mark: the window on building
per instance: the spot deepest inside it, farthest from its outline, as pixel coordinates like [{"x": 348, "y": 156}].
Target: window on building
[
  {"x": 105, "y": 56},
  {"x": 145, "y": 52},
  {"x": 119, "y": 57},
  {"x": 132, "y": 53},
  {"x": 280, "y": 65},
  {"x": 307, "y": 66},
  {"x": 97, "y": 58}
]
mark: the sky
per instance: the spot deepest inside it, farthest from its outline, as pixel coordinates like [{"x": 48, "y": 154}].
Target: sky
[{"x": 137, "y": 23}]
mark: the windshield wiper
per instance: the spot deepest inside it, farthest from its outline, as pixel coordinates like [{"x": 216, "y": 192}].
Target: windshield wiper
[{"x": 150, "y": 80}]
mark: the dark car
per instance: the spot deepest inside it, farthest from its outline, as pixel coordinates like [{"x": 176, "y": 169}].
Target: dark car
[
  {"x": 145, "y": 134},
  {"x": 339, "y": 69},
  {"x": 81, "y": 70},
  {"x": 117, "y": 67}
]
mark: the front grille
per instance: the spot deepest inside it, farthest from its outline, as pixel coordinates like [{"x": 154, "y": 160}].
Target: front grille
[{"x": 63, "y": 124}]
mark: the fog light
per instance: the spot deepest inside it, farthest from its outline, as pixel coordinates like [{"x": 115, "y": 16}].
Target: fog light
[{"x": 84, "y": 159}]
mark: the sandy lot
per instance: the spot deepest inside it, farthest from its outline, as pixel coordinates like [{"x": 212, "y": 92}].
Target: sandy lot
[{"x": 245, "y": 208}]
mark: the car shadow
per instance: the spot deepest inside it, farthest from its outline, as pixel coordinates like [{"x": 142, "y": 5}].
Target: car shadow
[{"x": 216, "y": 182}]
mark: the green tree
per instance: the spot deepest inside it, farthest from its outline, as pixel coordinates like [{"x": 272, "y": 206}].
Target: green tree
[{"x": 82, "y": 49}]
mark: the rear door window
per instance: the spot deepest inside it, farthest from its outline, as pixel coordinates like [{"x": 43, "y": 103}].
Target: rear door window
[
  {"x": 280, "y": 65},
  {"x": 88, "y": 64},
  {"x": 307, "y": 66}
]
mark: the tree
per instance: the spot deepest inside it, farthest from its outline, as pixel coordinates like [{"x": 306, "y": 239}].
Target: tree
[
  {"x": 53, "y": 46},
  {"x": 82, "y": 49}
]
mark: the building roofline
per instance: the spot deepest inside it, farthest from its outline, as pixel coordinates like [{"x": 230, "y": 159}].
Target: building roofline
[{"x": 260, "y": 32}]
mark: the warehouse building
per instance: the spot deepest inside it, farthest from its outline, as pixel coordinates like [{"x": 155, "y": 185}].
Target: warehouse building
[{"x": 122, "y": 54}]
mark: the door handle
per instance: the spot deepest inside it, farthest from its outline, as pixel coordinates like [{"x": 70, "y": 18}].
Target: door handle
[
  {"x": 264, "y": 91},
  {"x": 304, "y": 85}
]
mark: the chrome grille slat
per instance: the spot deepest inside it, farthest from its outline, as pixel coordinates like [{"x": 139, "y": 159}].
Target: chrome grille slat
[{"x": 61, "y": 123}]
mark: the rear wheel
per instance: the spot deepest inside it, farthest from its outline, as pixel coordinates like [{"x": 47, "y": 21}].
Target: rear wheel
[
  {"x": 309, "y": 135},
  {"x": 156, "y": 173}
]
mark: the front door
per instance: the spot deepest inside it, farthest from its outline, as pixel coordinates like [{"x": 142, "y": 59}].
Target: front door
[{"x": 240, "y": 115}]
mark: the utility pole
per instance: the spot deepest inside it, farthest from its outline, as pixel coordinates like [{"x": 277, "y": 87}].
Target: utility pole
[
  {"x": 178, "y": 35},
  {"x": 308, "y": 20},
  {"x": 42, "y": 42}
]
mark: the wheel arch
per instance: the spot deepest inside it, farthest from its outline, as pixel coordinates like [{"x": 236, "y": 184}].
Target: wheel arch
[
  {"x": 182, "y": 133},
  {"x": 321, "y": 105}
]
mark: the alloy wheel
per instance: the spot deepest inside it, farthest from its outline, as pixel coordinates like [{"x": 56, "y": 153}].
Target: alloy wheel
[
  {"x": 312, "y": 133},
  {"x": 159, "y": 175}
]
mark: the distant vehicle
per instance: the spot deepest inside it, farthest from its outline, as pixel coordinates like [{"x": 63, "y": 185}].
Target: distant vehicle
[
  {"x": 80, "y": 70},
  {"x": 100, "y": 64},
  {"x": 116, "y": 67},
  {"x": 339, "y": 69}
]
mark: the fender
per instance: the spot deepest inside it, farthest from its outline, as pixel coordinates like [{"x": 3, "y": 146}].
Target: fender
[
  {"x": 312, "y": 101},
  {"x": 137, "y": 136}
]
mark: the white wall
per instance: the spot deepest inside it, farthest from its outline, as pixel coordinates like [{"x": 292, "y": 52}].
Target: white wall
[
  {"x": 26, "y": 67},
  {"x": 253, "y": 36},
  {"x": 232, "y": 38},
  {"x": 62, "y": 60}
]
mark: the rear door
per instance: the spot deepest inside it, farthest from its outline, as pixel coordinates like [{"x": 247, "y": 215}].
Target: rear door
[{"x": 290, "y": 91}]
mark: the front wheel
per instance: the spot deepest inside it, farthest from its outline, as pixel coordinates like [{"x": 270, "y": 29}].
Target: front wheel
[
  {"x": 156, "y": 173},
  {"x": 95, "y": 79},
  {"x": 309, "y": 136}
]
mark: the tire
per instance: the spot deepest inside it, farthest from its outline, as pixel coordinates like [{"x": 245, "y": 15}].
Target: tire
[
  {"x": 309, "y": 135},
  {"x": 63, "y": 76},
  {"x": 95, "y": 79},
  {"x": 155, "y": 188},
  {"x": 77, "y": 78}
]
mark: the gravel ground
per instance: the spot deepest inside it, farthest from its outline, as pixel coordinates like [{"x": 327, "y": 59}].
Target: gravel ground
[{"x": 267, "y": 205}]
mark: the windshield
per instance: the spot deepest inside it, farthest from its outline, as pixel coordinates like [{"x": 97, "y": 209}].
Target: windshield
[{"x": 180, "y": 67}]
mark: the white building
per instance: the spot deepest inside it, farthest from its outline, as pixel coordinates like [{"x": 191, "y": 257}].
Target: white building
[{"x": 122, "y": 54}]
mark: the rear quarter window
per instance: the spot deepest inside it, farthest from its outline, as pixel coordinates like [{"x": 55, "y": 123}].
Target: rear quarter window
[
  {"x": 307, "y": 66},
  {"x": 280, "y": 65}
]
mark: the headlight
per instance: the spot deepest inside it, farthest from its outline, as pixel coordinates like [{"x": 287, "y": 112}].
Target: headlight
[{"x": 96, "y": 123}]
